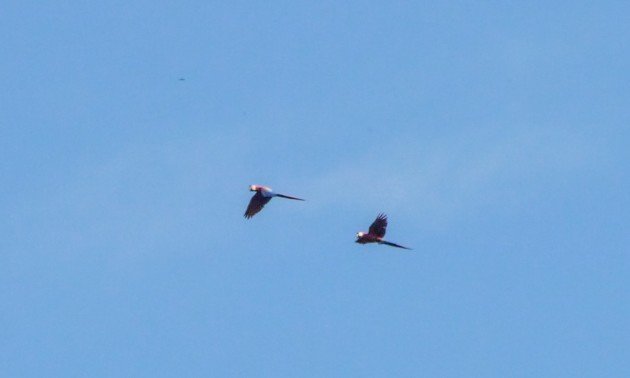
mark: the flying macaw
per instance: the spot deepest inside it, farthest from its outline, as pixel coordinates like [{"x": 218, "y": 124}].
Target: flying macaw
[
  {"x": 263, "y": 195},
  {"x": 376, "y": 233}
]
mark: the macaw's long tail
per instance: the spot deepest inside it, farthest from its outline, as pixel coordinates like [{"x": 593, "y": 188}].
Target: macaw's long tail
[
  {"x": 392, "y": 244},
  {"x": 289, "y": 197}
]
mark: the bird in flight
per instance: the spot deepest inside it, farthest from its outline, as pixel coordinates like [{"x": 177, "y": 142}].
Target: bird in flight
[
  {"x": 376, "y": 233},
  {"x": 261, "y": 198}
]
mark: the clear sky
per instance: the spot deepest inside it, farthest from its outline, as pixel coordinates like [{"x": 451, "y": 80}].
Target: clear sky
[{"x": 496, "y": 137}]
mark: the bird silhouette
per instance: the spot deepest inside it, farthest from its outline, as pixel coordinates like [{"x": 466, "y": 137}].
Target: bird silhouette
[
  {"x": 263, "y": 195},
  {"x": 376, "y": 233}
]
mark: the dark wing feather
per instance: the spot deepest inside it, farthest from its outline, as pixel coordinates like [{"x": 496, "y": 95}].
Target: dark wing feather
[
  {"x": 379, "y": 225},
  {"x": 256, "y": 204}
]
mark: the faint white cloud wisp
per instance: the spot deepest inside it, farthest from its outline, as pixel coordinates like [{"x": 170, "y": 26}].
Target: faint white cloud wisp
[{"x": 442, "y": 180}]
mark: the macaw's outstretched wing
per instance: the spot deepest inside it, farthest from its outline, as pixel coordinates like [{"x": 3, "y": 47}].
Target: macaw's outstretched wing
[
  {"x": 256, "y": 204},
  {"x": 392, "y": 244},
  {"x": 379, "y": 225}
]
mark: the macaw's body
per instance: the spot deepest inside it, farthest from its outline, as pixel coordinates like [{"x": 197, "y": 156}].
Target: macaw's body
[
  {"x": 376, "y": 233},
  {"x": 263, "y": 195}
]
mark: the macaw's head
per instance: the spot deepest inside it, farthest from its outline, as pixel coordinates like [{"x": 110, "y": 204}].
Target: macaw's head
[{"x": 359, "y": 237}]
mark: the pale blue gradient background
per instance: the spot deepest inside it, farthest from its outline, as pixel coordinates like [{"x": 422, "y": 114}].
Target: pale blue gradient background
[{"x": 495, "y": 136}]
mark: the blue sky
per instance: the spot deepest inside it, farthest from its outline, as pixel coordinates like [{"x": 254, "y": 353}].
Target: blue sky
[{"x": 494, "y": 136}]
